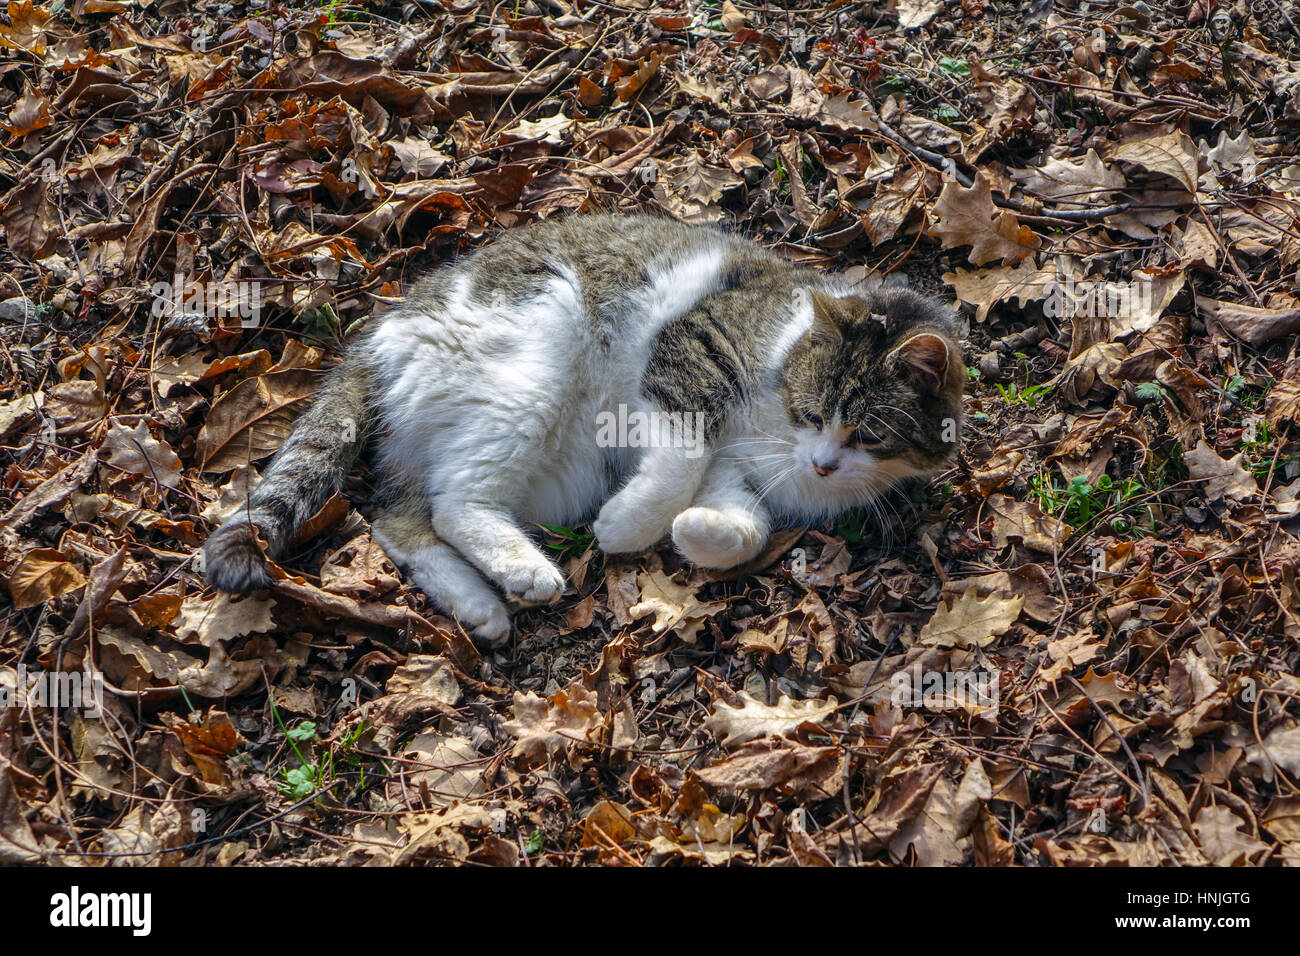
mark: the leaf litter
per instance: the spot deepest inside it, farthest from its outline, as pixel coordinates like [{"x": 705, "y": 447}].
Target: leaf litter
[{"x": 1112, "y": 198}]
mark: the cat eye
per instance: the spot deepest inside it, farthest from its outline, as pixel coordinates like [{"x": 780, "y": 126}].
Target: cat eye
[
  {"x": 866, "y": 437},
  {"x": 813, "y": 419}
]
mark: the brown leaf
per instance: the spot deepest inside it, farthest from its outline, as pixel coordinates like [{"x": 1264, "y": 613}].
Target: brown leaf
[
  {"x": 251, "y": 420},
  {"x": 26, "y": 28},
  {"x": 559, "y": 725},
  {"x": 30, "y": 220},
  {"x": 224, "y": 617},
  {"x": 1171, "y": 154},
  {"x": 137, "y": 452},
  {"x": 208, "y": 744},
  {"x": 675, "y": 606},
  {"x": 1251, "y": 323},
  {"x": 359, "y": 569},
  {"x": 986, "y": 288},
  {"x": 393, "y": 616},
  {"x": 52, "y": 491},
  {"x": 753, "y": 720},
  {"x": 1223, "y": 478},
  {"x": 1026, "y": 521},
  {"x": 966, "y": 216},
  {"x": 41, "y": 575},
  {"x": 31, "y": 112},
  {"x": 971, "y": 621},
  {"x": 939, "y": 834},
  {"x": 762, "y": 764}
]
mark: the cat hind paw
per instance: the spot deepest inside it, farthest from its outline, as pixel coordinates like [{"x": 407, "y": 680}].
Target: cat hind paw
[{"x": 233, "y": 560}]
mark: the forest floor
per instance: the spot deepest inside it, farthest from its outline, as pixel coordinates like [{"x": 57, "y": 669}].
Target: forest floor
[{"x": 1110, "y": 567}]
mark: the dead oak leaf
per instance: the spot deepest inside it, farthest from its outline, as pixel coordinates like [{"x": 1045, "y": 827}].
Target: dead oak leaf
[
  {"x": 359, "y": 569},
  {"x": 223, "y": 618},
  {"x": 136, "y": 452},
  {"x": 985, "y": 288},
  {"x": 558, "y": 725},
  {"x": 971, "y": 621},
  {"x": 675, "y": 607},
  {"x": 1221, "y": 837},
  {"x": 692, "y": 189},
  {"x": 1070, "y": 652},
  {"x": 753, "y": 720},
  {"x": 447, "y": 767},
  {"x": 966, "y": 216},
  {"x": 1224, "y": 478},
  {"x": 1078, "y": 185}
]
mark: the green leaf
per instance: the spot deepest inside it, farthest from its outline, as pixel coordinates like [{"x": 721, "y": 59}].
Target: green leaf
[
  {"x": 304, "y": 731},
  {"x": 955, "y": 68}
]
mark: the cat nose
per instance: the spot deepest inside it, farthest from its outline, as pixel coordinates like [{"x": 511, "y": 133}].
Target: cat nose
[{"x": 824, "y": 467}]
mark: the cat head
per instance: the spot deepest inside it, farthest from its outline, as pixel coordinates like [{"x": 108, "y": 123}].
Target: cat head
[{"x": 873, "y": 390}]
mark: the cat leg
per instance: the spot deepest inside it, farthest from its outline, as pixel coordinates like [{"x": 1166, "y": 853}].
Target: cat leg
[
  {"x": 695, "y": 373},
  {"x": 489, "y": 537},
  {"x": 726, "y": 526},
  {"x": 642, "y": 511},
  {"x": 406, "y": 534}
]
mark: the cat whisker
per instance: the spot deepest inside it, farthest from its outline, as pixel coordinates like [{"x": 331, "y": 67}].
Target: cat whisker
[
  {"x": 877, "y": 418},
  {"x": 773, "y": 482},
  {"x": 909, "y": 417}
]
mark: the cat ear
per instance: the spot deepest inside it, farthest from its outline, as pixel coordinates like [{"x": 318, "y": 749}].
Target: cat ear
[
  {"x": 828, "y": 317},
  {"x": 925, "y": 357}
]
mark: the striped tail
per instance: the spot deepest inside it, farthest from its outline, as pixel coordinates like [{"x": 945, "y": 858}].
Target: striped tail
[{"x": 305, "y": 473}]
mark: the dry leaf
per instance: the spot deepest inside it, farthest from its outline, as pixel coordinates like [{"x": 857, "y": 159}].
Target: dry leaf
[
  {"x": 966, "y": 216},
  {"x": 971, "y": 621},
  {"x": 675, "y": 606},
  {"x": 1171, "y": 154},
  {"x": 250, "y": 421},
  {"x": 554, "y": 726},
  {"x": 136, "y": 452},
  {"x": 41, "y": 575},
  {"x": 752, "y": 720},
  {"x": 223, "y": 618},
  {"x": 1223, "y": 478}
]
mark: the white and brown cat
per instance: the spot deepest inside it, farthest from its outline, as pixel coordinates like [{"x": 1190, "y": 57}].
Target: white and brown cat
[{"x": 776, "y": 395}]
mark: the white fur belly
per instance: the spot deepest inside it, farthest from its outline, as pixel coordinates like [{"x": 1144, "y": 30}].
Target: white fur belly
[{"x": 503, "y": 403}]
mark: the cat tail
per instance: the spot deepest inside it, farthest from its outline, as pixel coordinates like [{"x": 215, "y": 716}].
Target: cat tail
[{"x": 305, "y": 473}]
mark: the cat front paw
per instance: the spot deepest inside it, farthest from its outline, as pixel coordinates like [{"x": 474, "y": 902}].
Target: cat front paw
[
  {"x": 619, "y": 530},
  {"x": 711, "y": 539}
]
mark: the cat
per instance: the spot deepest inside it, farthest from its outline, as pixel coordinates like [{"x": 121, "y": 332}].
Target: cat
[{"x": 666, "y": 379}]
